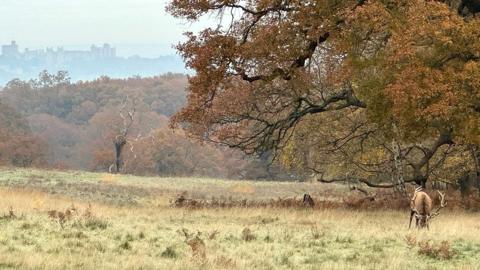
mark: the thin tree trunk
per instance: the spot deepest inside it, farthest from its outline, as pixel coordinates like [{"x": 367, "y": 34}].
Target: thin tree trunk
[
  {"x": 475, "y": 150},
  {"x": 119, "y": 144}
]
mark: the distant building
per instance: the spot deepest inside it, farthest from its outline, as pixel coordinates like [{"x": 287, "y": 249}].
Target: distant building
[
  {"x": 31, "y": 54},
  {"x": 103, "y": 52},
  {"x": 87, "y": 64},
  {"x": 59, "y": 56},
  {"x": 10, "y": 50}
]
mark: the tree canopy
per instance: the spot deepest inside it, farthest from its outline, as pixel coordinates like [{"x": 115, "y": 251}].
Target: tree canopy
[{"x": 275, "y": 73}]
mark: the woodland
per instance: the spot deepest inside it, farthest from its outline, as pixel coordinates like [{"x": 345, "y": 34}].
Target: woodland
[
  {"x": 382, "y": 93},
  {"x": 50, "y": 122}
]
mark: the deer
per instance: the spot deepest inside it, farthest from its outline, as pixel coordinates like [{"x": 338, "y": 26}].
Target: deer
[
  {"x": 421, "y": 208},
  {"x": 308, "y": 200}
]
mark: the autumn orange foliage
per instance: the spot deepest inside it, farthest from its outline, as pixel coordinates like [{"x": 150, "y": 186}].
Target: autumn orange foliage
[{"x": 410, "y": 67}]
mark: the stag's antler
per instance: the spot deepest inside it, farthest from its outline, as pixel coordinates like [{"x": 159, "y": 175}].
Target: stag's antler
[{"x": 436, "y": 212}]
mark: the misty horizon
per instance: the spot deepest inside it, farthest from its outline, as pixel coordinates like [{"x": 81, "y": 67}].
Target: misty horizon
[
  {"x": 84, "y": 63},
  {"x": 153, "y": 50},
  {"x": 140, "y": 27}
]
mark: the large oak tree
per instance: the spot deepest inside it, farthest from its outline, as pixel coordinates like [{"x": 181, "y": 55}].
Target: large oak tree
[{"x": 411, "y": 67}]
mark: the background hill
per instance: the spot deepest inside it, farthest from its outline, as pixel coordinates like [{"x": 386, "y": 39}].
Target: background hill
[{"x": 73, "y": 125}]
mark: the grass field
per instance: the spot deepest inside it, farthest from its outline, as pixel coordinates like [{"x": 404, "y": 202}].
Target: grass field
[{"x": 130, "y": 225}]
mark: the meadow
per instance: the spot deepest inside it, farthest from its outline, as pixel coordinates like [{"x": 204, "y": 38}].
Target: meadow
[{"x": 128, "y": 222}]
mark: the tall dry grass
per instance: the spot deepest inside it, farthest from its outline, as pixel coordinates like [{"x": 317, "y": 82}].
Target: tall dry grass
[{"x": 146, "y": 235}]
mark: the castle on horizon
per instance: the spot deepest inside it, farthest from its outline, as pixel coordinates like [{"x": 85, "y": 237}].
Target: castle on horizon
[
  {"x": 81, "y": 64},
  {"x": 60, "y": 55}
]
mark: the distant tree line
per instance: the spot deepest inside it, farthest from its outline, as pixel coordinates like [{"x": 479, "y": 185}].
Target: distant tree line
[{"x": 51, "y": 122}]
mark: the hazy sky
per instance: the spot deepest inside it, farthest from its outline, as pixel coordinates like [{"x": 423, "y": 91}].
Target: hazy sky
[{"x": 133, "y": 26}]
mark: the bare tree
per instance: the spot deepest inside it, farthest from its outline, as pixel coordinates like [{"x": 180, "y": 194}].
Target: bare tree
[{"x": 121, "y": 139}]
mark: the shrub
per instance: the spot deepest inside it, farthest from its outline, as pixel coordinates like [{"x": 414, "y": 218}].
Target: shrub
[
  {"x": 213, "y": 235},
  {"x": 26, "y": 226},
  {"x": 196, "y": 244},
  {"x": 411, "y": 240},
  {"x": 126, "y": 245},
  {"x": 129, "y": 237},
  {"x": 442, "y": 250},
  {"x": 268, "y": 239},
  {"x": 224, "y": 262},
  {"x": 169, "y": 252},
  {"x": 247, "y": 235},
  {"x": 316, "y": 234},
  {"x": 96, "y": 223},
  {"x": 198, "y": 248}
]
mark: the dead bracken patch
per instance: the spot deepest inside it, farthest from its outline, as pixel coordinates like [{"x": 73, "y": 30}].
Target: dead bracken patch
[
  {"x": 63, "y": 216},
  {"x": 85, "y": 220},
  {"x": 381, "y": 200},
  {"x": 411, "y": 240},
  {"x": 213, "y": 235},
  {"x": 224, "y": 262},
  {"x": 196, "y": 244},
  {"x": 316, "y": 233},
  {"x": 169, "y": 252},
  {"x": 10, "y": 214},
  {"x": 440, "y": 250},
  {"x": 182, "y": 201},
  {"x": 198, "y": 248}
]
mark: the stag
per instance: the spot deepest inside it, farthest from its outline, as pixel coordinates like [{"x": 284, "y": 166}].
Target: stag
[{"x": 421, "y": 208}]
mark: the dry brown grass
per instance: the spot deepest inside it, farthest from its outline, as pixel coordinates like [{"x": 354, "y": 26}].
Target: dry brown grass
[
  {"x": 350, "y": 201},
  {"x": 411, "y": 240},
  {"x": 440, "y": 250},
  {"x": 144, "y": 235}
]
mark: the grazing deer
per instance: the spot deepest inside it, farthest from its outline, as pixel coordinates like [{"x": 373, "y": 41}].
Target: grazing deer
[
  {"x": 421, "y": 208},
  {"x": 308, "y": 200}
]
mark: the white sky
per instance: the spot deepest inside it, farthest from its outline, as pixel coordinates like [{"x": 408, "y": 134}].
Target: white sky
[{"x": 133, "y": 26}]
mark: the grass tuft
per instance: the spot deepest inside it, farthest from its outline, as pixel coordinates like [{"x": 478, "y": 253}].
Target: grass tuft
[
  {"x": 94, "y": 223},
  {"x": 247, "y": 235},
  {"x": 125, "y": 245}
]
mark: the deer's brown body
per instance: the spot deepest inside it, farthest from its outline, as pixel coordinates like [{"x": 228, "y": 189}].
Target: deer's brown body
[
  {"x": 421, "y": 208},
  {"x": 308, "y": 200}
]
